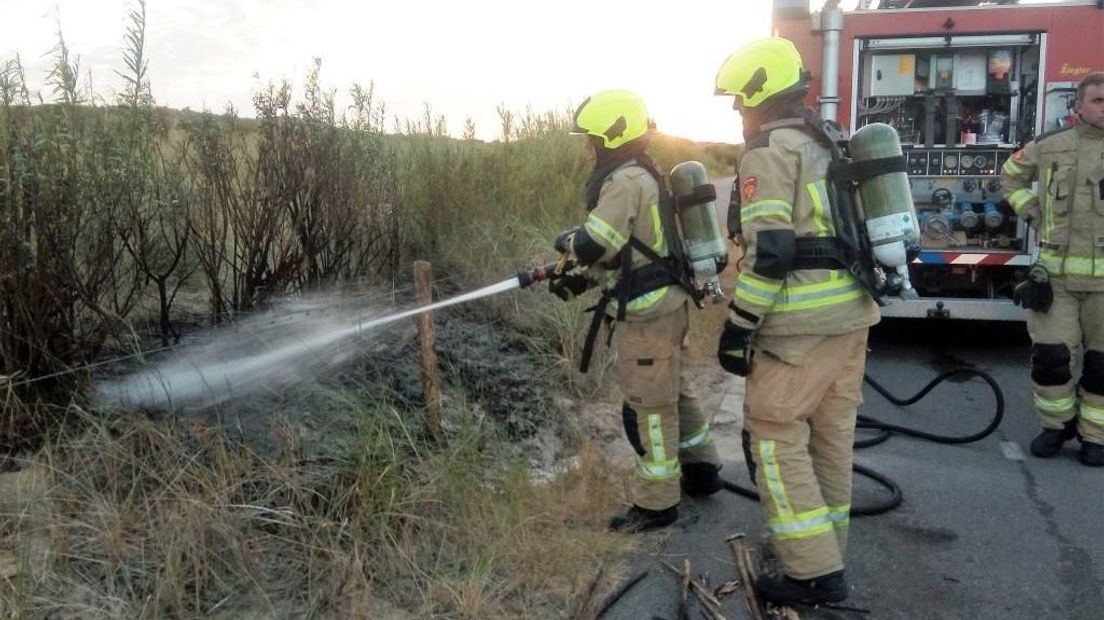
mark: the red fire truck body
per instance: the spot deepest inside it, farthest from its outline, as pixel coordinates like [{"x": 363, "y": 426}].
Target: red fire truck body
[{"x": 964, "y": 86}]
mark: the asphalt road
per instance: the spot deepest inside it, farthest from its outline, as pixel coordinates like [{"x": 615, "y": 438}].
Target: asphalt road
[{"x": 985, "y": 531}]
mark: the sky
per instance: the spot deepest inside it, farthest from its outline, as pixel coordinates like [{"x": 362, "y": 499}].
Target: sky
[{"x": 462, "y": 58}]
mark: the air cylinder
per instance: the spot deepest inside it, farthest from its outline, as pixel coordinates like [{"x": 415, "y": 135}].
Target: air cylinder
[
  {"x": 886, "y": 198},
  {"x": 695, "y": 203}
]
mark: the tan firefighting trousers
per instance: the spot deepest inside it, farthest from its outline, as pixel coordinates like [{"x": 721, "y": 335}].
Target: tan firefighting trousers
[
  {"x": 661, "y": 414},
  {"x": 1075, "y": 320},
  {"x": 801, "y": 419}
]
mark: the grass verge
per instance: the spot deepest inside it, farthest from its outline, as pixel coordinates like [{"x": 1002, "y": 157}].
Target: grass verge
[{"x": 136, "y": 518}]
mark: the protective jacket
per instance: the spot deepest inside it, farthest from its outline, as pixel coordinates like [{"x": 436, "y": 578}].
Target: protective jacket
[
  {"x": 1067, "y": 205},
  {"x": 628, "y": 206},
  {"x": 784, "y": 208}
]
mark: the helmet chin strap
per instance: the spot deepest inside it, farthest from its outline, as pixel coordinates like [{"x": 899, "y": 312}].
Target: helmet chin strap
[
  {"x": 629, "y": 150},
  {"x": 783, "y": 106}
]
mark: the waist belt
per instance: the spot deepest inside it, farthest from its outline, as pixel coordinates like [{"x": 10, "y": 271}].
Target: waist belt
[
  {"x": 642, "y": 281},
  {"x": 819, "y": 253}
]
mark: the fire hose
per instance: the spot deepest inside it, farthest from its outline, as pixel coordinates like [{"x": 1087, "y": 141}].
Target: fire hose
[{"x": 896, "y": 496}]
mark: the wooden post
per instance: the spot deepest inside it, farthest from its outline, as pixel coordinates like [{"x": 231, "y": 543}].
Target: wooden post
[{"x": 423, "y": 278}]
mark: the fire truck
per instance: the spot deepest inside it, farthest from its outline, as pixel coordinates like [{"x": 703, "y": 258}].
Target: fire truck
[{"x": 964, "y": 84}]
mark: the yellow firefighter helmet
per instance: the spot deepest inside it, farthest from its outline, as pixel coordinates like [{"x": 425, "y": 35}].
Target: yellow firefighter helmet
[
  {"x": 761, "y": 70},
  {"x": 616, "y": 117}
]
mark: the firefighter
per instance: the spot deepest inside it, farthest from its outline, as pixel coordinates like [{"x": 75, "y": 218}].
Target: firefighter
[
  {"x": 662, "y": 419},
  {"x": 797, "y": 327},
  {"x": 1064, "y": 290}
]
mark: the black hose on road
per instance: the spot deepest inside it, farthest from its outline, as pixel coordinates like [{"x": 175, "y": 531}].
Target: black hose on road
[{"x": 865, "y": 422}]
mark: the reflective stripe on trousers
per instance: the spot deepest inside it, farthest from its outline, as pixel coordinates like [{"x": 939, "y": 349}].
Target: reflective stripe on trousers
[
  {"x": 701, "y": 437},
  {"x": 788, "y": 525},
  {"x": 657, "y": 466},
  {"x": 1092, "y": 414},
  {"x": 1055, "y": 405}
]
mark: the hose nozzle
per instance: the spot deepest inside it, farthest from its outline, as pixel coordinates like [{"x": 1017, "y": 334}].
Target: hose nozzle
[{"x": 551, "y": 271}]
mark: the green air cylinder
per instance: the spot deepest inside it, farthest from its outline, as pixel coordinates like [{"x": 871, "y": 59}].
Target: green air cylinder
[
  {"x": 886, "y": 200},
  {"x": 705, "y": 249}
]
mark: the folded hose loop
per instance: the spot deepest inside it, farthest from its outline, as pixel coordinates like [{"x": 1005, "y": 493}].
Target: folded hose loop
[{"x": 868, "y": 422}]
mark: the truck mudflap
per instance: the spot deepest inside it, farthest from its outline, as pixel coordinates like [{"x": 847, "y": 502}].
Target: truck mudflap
[{"x": 954, "y": 308}]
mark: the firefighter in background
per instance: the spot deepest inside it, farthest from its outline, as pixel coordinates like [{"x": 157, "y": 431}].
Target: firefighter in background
[
  {"x": 797, "y": 328},
  {"x": 1064, "y": 290},
  {"x": 661, "y": 415}
]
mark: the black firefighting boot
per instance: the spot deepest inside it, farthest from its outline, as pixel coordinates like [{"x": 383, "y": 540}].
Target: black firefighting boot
[
  {"x": 783, "y": 590},
  {"x": 637, "y": 519},
  {"x": 700, "y": 479},
  {"x": 1051, "y": 440},
  {"x": 1092, "y": 454}
]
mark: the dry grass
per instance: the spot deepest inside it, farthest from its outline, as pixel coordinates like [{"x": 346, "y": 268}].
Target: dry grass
[{"x": 138, "y": 519}]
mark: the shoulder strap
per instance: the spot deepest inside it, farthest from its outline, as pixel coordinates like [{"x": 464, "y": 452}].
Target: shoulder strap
[
  {"x": 676, "y": 263},
  {"x": 858, "y": 255}
]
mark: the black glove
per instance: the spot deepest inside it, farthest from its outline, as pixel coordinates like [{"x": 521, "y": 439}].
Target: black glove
[
  {"x": 1034, "y": 292},
  {"x": 568, "y": 286},
  {"x": 734, "y": 350},
  {"x": 563, "y": 241}
]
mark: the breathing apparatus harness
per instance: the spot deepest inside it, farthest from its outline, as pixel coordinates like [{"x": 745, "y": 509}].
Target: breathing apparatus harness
[
  {"x": 661, "y": 271},
  {"x": 850, "y": 248}
]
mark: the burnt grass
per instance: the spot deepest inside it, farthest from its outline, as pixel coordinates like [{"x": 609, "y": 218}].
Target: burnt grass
[
  {"x": 484, "y": 365},
  {"x": 480, "y": 357}
]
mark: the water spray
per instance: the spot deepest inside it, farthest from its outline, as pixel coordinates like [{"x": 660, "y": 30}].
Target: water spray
[{"x": 272, "y": 351}]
